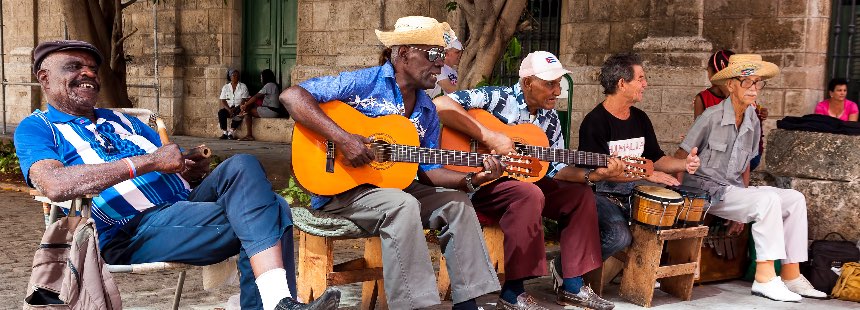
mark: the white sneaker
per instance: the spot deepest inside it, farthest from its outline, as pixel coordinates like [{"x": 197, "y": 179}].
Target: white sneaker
[
  {"x": 774, "y": 289},
  {"x": 802, "y": 287}
]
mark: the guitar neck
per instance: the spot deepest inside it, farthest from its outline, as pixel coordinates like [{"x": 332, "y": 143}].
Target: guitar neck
[
  {"x": 424, "y": 155},
  {"x": 570, "y": 157}
]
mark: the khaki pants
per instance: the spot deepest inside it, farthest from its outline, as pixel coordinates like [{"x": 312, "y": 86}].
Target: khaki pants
[
  {"x": 399, "y": 218},
  {"x": 780, "y": 229}
]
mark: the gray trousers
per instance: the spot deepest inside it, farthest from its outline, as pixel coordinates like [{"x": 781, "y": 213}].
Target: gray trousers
[{"x": 399, "y": 217}]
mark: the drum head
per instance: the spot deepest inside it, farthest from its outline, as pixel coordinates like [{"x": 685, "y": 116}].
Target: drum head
[
  {"x": 658, "y": 193},
  {"x": 691, "y": 192}
]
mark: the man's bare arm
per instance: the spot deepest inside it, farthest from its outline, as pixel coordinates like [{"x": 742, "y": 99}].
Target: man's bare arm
[{"x": 60, "y": 183}]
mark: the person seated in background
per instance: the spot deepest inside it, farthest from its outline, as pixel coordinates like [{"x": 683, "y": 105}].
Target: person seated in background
[
  {"x": 232, "y": 95},
  {"x": 728, "y": 136},
  {"x": 446, "y": 82},
  {"x": 837, "y": 106},
  {"x": 271, "y": 107}
]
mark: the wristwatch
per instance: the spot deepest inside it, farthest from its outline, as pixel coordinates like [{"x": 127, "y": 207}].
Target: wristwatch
[
  {"x": 470, "y": 187},
  {"x": 587, "y": 180}
]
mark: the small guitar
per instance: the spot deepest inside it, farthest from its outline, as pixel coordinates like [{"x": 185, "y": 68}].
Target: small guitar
[
  {"x": 321, "y": 170},
  {"x": 530, "y": 140}
]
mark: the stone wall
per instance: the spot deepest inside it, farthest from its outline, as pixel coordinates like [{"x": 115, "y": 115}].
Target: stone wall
[
  {"x": 676, "y": 37},
  {"x": 336, "y": 36},
  {"x": 198, "y": 41}
]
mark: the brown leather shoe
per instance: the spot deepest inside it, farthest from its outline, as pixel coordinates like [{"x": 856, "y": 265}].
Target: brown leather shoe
[
  {"x": 586, "y": 298},
  {"x": 524, "y": 301}
]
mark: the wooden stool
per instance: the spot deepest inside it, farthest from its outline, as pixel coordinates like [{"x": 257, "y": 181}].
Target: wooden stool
[
  {"x": 643, "y": 266},
  {"x": 317, "y": 271},
  {"x": 495, "y": 240}
]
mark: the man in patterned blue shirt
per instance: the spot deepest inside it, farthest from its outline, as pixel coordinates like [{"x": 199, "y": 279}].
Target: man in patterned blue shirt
[
  {"x": 146, "y": 210},
  {"x": 410, "y": 63},
  {"x": 518, "y": 206}
]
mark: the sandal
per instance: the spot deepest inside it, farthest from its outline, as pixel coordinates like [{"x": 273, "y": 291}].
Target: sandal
[{"x": 247, "y": 138}]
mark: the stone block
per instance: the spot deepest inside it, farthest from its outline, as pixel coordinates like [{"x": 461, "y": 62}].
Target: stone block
[
  {"x": 813, "y": 155},
  {"x": 313, "y": 43},
  {"x": 585, "y": 97},
  {"x": 739, "y": 8},
  {"x": 724, "y": 33},
  {"x": 773, "y": 100},
  {"x": 194, "y": 21},
  {"x": 271, "y": 129},
  {"x": 677, "y": 76},
  {"x": 782, "y": 34},
  {"x": 305, "y": 16},
  {"x": 597, "y": 59},
  {"x": 818, "y": 34},
  {"x": 819, "y": 8},
  {"x": 624, "y": 34},
  {"x": 571, "y": 60},
  {"x": 800, "y": 102},
  {"x": 587, "y": 37},
  {"x": 792, "y": 8},
  {"x": 651, "y": 100},
  {"x": 574, "y": 11},
  {"x": 831, "y": 206},
  {"x": 679, "y": 99},
  {"x": 321, "y": 15},
  {"x": 669, "y": 127}
]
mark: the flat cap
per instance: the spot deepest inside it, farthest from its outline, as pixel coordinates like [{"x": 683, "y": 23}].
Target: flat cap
[{"x": 46, "y": 48}]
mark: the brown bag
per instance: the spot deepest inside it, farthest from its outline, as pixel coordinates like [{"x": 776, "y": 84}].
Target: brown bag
[
  {"x": 848, "y": 286},
  {"x": 69, "y": 272}
]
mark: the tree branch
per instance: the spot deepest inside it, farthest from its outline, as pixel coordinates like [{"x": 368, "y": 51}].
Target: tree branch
[{"x": 126, "y": 4}]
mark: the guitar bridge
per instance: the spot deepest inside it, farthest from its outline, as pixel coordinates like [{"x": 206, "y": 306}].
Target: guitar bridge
[{"x": 329, "y": 156}]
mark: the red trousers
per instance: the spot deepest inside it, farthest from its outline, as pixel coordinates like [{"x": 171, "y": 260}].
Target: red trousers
[{"x": 519, "y": 206}]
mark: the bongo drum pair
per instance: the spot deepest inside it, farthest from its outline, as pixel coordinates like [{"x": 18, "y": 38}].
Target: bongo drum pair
[{"x": 662, "y": 208}]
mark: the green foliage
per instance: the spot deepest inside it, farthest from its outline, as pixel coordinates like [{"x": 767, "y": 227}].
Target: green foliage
[
  {"x": 511, "y": 60},
  {"x": 295, "y": 195},
  {"x": 451, "y": 6},
  {"x": 8, "y": 158},
  {"x": 214, "y": 161}
]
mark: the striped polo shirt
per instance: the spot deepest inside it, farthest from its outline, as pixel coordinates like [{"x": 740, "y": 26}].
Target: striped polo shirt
[{"x": 74, "y": 140}]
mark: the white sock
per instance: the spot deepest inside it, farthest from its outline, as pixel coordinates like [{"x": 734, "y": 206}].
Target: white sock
[
  {"x": 224, "y": 132},
  {"x": 273, "y": 287}
]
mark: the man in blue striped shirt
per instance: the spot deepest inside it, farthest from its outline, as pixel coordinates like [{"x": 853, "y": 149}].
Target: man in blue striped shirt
[{"x": 146, "y": 210}]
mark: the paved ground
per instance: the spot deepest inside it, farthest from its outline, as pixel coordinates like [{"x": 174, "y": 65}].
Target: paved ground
[{"x": 21, "y": 226}]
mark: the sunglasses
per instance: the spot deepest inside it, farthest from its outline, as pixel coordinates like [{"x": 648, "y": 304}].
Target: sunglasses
[{"x": 434, "y": 54}]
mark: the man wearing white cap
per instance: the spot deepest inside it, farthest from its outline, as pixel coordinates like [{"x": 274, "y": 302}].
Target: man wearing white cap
[
  {"x": 518, "y": 206},
  {"x": 410, "y": 64},
  {"x": 446, "y": 82}
]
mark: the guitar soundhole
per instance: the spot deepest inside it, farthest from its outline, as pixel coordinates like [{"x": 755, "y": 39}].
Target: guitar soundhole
[{"x": 382, "y": 148}]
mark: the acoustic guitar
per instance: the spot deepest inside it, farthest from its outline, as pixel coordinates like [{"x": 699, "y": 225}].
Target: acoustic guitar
[
  {"x": 531, "y": 140},
  {"x": 320, "y": 168}
]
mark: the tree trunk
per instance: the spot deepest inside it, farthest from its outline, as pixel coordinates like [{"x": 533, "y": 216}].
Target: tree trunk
[
  {"x": 100, "y": 23},
  {"x": 491, "y": 25}
]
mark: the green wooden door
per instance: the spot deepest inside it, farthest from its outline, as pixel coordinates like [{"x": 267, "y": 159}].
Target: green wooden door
[{"x": 269, "y": 40}]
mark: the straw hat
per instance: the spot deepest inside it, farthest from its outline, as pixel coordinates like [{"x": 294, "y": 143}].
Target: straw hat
[
  {"x": 745, "y": 65},
  {"x": 413, "y": 30}
]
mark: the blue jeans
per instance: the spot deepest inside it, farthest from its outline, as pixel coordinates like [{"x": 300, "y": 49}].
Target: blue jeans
[
  {"x": 613, "y": 218},
  {"x": 233, "y": 211}
]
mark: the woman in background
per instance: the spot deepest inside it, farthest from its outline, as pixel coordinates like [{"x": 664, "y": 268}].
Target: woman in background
[
  {"x": 837, "y": 106},
  {"x": 271, "y": 107}
]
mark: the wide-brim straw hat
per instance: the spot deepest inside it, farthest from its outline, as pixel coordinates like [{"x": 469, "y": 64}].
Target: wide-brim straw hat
[
  {"x": 413, "y": 30},
  {"x": 741, "y": 65}
]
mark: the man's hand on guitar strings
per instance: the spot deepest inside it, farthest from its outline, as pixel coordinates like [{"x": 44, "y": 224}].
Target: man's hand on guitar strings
[
  {"x": 614, "y": 168},
  {"x": 500, "y": 143},
  {"x": 493, "y": 169},
  {"x": 354, "y": 149}
]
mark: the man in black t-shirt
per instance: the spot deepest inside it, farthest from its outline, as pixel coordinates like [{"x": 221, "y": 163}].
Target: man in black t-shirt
[{"x": 616, "y": 127}]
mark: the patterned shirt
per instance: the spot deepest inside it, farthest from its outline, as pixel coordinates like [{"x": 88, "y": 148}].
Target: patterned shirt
[
  {"x": 74, "y": 140},
  {"x": 374, "y": 92},
  {"x": 725, "y": 150},
  {"x": 509, "y": 106}
]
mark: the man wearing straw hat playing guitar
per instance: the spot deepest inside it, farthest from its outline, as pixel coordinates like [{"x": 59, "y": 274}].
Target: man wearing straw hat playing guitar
[
  {"x": 146, "y": 210},
  {"x": 409, "y": 65},
  {"x": 728, "y": 136}
]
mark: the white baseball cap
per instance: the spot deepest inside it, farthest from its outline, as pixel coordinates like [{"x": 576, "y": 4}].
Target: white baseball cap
[{"x": 542, "y": 64}]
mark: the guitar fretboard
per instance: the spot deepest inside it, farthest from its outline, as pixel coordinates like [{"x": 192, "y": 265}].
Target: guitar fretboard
[
  {"x": 415, "y": 154},
  {"x": 570, "y": 157}
]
